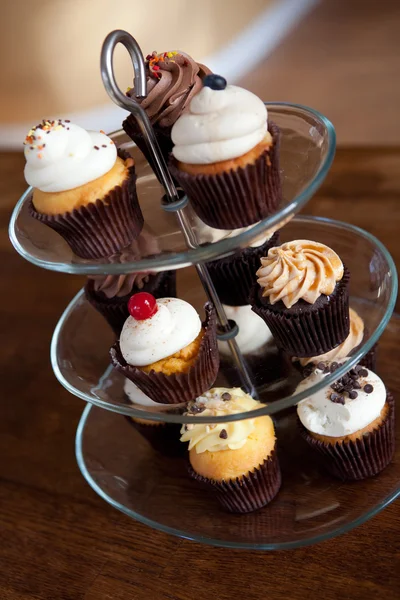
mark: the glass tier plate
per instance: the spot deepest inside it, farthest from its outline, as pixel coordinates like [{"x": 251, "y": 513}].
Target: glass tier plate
[
  {"x": 307, "y": 150},
  {"x": 125, "y": 470},
  {"x": 82, "y": 338}
]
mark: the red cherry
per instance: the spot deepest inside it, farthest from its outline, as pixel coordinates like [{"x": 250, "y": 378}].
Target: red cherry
[{"x": 142, "y": 306}]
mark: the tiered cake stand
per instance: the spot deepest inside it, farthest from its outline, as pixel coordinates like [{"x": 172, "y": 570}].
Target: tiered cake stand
[{"x": 118, "y": 463}]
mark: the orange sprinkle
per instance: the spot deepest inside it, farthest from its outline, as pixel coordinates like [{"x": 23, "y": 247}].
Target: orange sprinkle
[
  {"x": 39, "y": 156},
  {"x": 101, "y": 131}
]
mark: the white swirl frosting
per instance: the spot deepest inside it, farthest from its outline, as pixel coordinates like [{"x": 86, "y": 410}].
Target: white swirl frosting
[
  {"x": 204, "y": 437},
  {"x": 220, "y": 125},
  {"x": 61, "y": 156},
  {"x": 300, "y": 269},
  {"x": 344, "y": 349},
  {"x": 136, "y": 396},
  {"x": 175, "y": 325},
  {"x": 322, "y": 416}
]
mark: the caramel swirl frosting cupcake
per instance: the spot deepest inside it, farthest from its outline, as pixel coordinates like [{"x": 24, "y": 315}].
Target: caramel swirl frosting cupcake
[
  {"x": 236, "y": 460},
  {"x": 302, "y": 294}
]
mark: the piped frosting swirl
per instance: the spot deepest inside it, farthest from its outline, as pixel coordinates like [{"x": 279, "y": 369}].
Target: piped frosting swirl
[
  {"x": 220, "y": 402},
  {"x": 299, "y": 270},
  {"x": 219, "y": 125},
  {"x": 173, "y": 78}
]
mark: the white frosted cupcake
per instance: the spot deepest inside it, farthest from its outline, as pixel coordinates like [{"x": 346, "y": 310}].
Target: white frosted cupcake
[
  {"x": 83, "y": 188},
  {"x": 166, "y": 350},
  {"x": 226, "y": 156},
  {"x": 350, "y": 423}
]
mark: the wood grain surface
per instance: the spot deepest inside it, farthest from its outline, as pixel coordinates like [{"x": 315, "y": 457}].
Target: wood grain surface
[{"x": 59, "y": 541}]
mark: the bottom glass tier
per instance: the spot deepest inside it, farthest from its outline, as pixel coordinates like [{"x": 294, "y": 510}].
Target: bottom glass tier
[{"x": 122, "y": 467}]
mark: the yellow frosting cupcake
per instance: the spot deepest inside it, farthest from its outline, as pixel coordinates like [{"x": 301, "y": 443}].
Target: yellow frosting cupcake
[{"x": 236, "y": 459}]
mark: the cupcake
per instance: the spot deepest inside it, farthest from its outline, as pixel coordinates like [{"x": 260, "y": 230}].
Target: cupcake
[
  {"x": 109, "y": 294},
  {"x": 302, "y": 294},
  {"x": 226, "y": 156},
  {"x": 236, "y": 460},
  {"x": 173, "y": 78},
  {"x": 235, "y": 275},
  {"x": 350, "y": 424},
  {"x": 83, "y": 188},
  {"x": 163, "y": 437},
  {"x": 307, "y": 364},
  {"x": 166, "y": 350}
]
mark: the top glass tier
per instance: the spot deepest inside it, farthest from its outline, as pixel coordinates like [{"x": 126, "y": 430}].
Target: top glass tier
[{"x": 307, "y": 150}]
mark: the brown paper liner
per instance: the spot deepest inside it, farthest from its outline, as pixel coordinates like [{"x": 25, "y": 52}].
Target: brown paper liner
[
  {"x": 249, "y": 492},
  {"x": 178, "y": 387},
  {"x": 236, "y": 198},
  {"x": 115, "y": 310},
  {"x": 164, "y": 438},
  {"x": 362, "y": 458},
  {"x": 234, "y": 276},
  {"x": 100, "y": 228},
  {"x": 163, "y": 135},
  {"x": 312, "y": 330}
]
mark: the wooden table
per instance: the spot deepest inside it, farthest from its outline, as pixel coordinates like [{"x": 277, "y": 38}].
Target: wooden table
[{"x": 58, "y": 540}]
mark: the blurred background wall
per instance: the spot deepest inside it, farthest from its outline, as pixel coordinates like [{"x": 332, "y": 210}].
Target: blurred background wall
[{"x": 339, "y": 56}]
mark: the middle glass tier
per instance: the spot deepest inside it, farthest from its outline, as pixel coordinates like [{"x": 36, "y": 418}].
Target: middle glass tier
[
  {"x": 306, "y": 154},
  {"x": 82, "y": 338}
]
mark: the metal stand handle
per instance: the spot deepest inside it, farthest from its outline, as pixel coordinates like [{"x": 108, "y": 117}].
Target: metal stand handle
[{"x": 172, "y": 196}]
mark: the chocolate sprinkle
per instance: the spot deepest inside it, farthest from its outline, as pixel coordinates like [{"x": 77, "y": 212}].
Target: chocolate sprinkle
[
  {"x": 321, "y": 366},
  {"x": 223, "y": 434},
  {"x": 368, "y": 389},
  {"x": 353, "y": 395},
  {"x": 363, "y": 373},
  {"x": 226, "y": 397},
  {"x": 197, "y": 409},
  {"x": 96, "y": 147}
]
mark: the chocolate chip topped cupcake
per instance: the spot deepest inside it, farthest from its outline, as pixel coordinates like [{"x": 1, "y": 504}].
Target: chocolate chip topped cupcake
[
  {"x": 166, "y": 350},
  {"x": 173, "y": 78},
  {"x": 83, "y": 188},
  {"x": 236, "y": 460},
  {"x": 226, "y": 156},
  {"x": 350, "y": 423},
  {"x": 302, "y": 295}
]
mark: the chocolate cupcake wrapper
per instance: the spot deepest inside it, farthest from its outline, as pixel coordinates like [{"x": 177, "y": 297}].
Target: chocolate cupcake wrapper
[
  {"x": 164, "y": 438},
  {"x": 178, "y": 387},
  {"x": 236, "y": 198},
  {"x": 100, "y": 228},
  {"x": 362, "y": 458},
  {"x": 115, "y": 310},
  {"x": 131, "y": 128},
  {"x": 248, "y": 493},
  {"x": 234, "y": 276},
  {"x": 369, "y": 360},
  {"x": 313, "y": 330}
]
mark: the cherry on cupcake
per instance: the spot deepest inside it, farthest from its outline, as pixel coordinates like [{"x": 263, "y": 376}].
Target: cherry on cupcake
[
  {"x": 142, "y": 306},
  {"x": 215, "y": 82}
]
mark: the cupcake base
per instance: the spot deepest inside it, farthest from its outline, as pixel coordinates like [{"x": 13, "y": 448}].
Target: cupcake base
[
  {"x": 178, "y": 387},
  {"x": 115, "y": 310},
  {"x": 249, "y": 492},
  {"x": 365, "y": 457},
  {"x": 234, "y": 276},
  {"x": 104, "y": 227},
  {"x": 236, "y": 198},
  {"x": 307, "y": 329}
]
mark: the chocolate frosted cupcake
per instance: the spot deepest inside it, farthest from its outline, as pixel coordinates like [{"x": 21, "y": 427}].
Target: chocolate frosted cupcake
[
  {"x": 163, "y": 437},
  {"x": 235, "y": 275},
  {"x": 226, "y": 156},
  {"x": 345, "y": 349},
  {"x": 173, "y": 78},
  {"x": 236, "y": 460},
  {"x": 350, "y": 424},
  {"x": 302, "y": 295},
  {"x": 166, "y": 350},
  {"x": 82, "y": 188}
]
